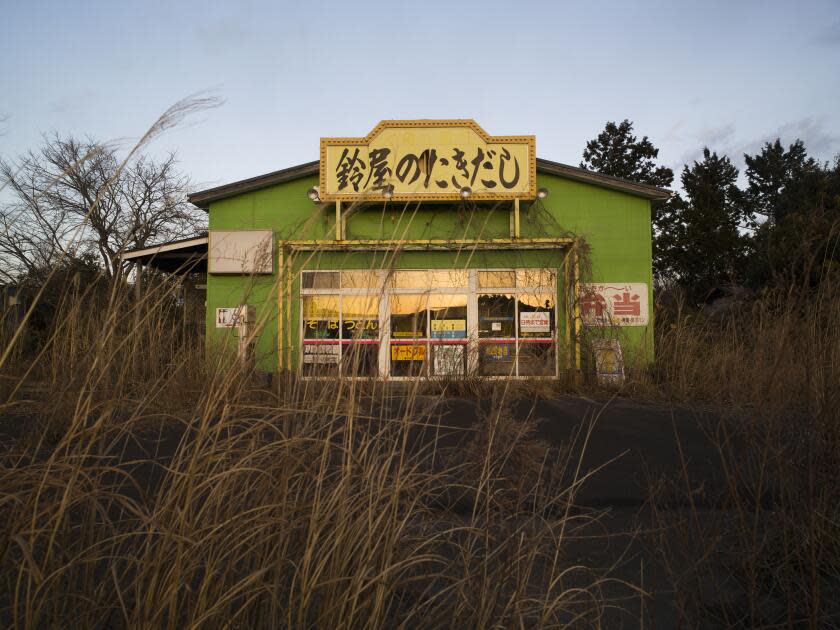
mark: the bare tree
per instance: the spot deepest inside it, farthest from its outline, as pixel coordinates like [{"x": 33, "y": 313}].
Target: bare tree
[{"x": 74, "y": 198}]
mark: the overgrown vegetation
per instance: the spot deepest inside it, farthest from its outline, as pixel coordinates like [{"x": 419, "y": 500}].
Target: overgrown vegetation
[
  {"x": 766, "y": 543},
  {"x": 779, "y": 230},
  {"x": 145, "y": 483},
  {"x": 149, "y": 488}
]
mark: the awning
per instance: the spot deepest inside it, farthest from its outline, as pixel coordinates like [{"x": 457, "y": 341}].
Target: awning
[{"x": 184, "y": 256}]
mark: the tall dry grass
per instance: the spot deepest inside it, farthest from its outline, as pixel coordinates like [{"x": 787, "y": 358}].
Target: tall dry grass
[
  {"x": 147, "y": 485},
  {"x": 766, "y": 542}
]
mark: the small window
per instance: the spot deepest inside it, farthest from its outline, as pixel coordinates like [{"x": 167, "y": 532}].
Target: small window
[
  {"x": 319, "y": 280},
  {"x": 536, "y": 315},
  {"x": 410, "y": 280},
  {"x": 449, "y": 278},
  {"x": 408, "y": 316},
  {"x": 531, "y": 278},
  {"x": 360, "y": 317},
  {"x": 357, "y": 279},
  {"x": 496, "y": 279},
  {"x": 320, "y": 307}
]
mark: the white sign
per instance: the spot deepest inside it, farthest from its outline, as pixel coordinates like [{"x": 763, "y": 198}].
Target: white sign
[
  {"x": 538, "y": 322},
  {"x": 233, "y": 317},
  {"x": 614, "y": 304},
  {"x": 241, "y": 251},
  {"x": 449, "y": 360},
  {"x": 321, "y": 353}
]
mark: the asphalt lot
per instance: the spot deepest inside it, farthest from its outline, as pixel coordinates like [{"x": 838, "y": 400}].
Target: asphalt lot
[{"x": 630, "y": 447}]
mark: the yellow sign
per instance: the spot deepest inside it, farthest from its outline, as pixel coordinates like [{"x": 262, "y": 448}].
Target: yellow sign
[
  {"x": 408, "y": 352},
  {"x": 422, "y": 160}
]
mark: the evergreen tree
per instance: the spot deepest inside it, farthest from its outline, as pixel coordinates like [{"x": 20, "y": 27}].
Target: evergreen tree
[
  {"x": 617, "y": 152},
  {"x": 702, "y": 243},
  {"x": 797, "y": 204},
  {"x": 775, "y": 179}
]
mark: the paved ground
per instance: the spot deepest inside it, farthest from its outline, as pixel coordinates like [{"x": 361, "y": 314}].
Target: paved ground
[{"x": 631, "y": 444}]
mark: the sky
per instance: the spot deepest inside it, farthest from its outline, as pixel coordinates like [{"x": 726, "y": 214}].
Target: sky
[{"x": 728, "y": 75}]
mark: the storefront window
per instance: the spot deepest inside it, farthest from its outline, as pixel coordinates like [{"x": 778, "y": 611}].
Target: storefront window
[
  {"x": 431, "y": 280},
  {"x": 321, "y": 333},
  {"x": 429, "y": 327},
  {"x": 536, "y": 334},
  {"x": 448, "y": 330},
  {"x": 410, "y": 280},
  {"x": 532, "y": 278},
  {"x": 358, "y": 279},
  {"x": 408, "y": 335},
  {"x": 496, "y": 334},
  {"x": 496, "y": 279},
  {"x": 360, "y": 334},
  {"x": 319, "y": 280}
]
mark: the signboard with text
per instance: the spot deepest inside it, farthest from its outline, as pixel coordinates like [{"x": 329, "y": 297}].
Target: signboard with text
[
  {"x": 408, "y": 352},
  {"x": 321, "y": 353},
  {"x": 417, "y": 160},
  {"x": 614, "y": 304},
  {"x": 535, "y": 322},
  {"x": 449, "y": 328}
]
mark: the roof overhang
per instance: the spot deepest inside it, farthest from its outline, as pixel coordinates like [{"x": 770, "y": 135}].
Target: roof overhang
[
  {"x": 183, "y": 256},
  {"x": 204, "y": 198}
]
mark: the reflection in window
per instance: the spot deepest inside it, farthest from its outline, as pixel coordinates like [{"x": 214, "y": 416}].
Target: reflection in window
[
  {"x": 529, "y": 278},
  {"x": 408, "y": 316},
  {"x": 448, "y": 314},
  {"x": 496, "y": 314},
  {"x": 410, "y": 280},
  {"x": 408, "y": 321},
  {"x": 322, "y": 354},
  {"x": 536, "y": 314},
  {"x": 360, "y": 359},
  {"x": 429, "y": 327},
  {"x": 496, "y": 332},
  {"x": 358, "y": 279},
  {"x": 448, "y": 331},
  {"x": 360, "y": 317},
  {"x": 496, "y": 279},
  {"x": 319, "y": 280},
  {"x": 432, "y": 279},
  {"x": 449, "y": 278},
  {"x": 449, "y": 360},
  {"x": 320, "y": 317},
  {"x": 536, "y": 357},
  {"x": 320, "y": 359}
]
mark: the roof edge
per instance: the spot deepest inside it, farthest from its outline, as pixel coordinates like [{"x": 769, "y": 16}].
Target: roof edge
[
  {"x": 595, "y": 178},
  {"x": 161, "y": 248},
  {"x": 204, "y": 198}
]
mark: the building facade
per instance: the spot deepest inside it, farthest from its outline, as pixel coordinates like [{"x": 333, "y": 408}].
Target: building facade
[{"x": 429, "y": 249}]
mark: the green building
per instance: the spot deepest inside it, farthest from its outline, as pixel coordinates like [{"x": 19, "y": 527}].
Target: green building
[{"x": 426, "y": 249}]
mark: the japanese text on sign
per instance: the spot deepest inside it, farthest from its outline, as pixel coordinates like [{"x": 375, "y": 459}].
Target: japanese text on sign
[
  {"x": 321, "y": 353},
  {"x": 425, "y": 159},
  {"x": 614, "y": 304},
  {"x": 408, "y": 352},
  {"x": 449, "y": 328},
  {"x": 535, "y": 322}
]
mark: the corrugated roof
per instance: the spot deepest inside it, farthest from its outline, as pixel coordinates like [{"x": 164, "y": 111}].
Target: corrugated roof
[{"x": 204, "y": 198}]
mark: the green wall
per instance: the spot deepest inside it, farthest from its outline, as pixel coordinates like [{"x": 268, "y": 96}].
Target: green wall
[{"x": 614, "y": 226}]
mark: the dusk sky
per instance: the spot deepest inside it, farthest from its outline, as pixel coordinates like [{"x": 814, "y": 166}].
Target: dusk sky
[{"x": 729, "y": 75}]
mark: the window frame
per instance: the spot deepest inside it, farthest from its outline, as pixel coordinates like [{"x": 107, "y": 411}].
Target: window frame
[{"x": 384, "y": 290}]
